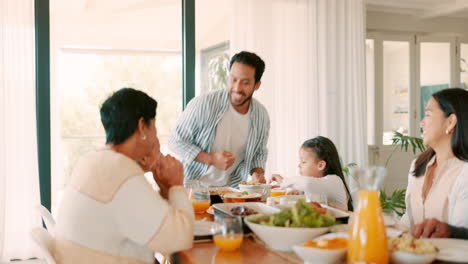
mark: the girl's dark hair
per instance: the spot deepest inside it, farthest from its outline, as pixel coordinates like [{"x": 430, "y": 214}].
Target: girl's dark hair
[
  {"x": 122, "y": 110},
  {"x": 450, "y": 101},
  {"x": 326, "y": 150}
]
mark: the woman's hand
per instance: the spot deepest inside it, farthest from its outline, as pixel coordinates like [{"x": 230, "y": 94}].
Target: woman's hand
[
  {"x": 168, "y": 172},
  {"x": 432, "y": 228},
  {"x": 149, "y": 161}
]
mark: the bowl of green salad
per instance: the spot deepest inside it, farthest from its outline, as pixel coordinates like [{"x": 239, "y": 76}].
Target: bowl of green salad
[{"x": 290, "y": 226}]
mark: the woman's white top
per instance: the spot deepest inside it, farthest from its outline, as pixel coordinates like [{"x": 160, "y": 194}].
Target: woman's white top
[
  {"x": 447, "y": 200},
  {"x": 330, "y": 185},
  {"x": 110, "y": 214}
]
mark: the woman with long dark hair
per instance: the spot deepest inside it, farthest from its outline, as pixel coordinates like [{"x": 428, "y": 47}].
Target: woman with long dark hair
[{"x": 438, "y": 178}]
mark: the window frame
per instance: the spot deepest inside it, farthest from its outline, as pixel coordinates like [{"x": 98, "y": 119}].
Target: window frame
[
  {"x": 415, "y": 40},
  {"x": 43, "y": 107}
]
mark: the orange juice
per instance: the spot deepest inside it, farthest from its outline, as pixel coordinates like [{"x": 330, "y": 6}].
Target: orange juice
[
  {"x": 228, "y": 242},
  {"x": 200, "y": 206},
  {"x": 367, "y": 235},
  {"x": 274, "y": 193}
]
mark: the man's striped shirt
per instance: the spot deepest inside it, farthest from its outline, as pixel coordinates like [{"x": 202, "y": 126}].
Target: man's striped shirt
[{"x": 196, "y": 129}]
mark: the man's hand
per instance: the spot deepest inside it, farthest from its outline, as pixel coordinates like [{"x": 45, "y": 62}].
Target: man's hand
[
  {"x": 222, "y": 160},
  {"x": 258, "y": 175},
  {"x": 168, "y": 172},
  {"x": 430, "y": 228}
]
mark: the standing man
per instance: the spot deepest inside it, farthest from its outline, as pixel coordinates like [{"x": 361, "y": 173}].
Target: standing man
[{"x": 221, "y": 136}]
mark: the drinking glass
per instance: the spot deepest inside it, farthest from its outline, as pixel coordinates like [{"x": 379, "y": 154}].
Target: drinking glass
[
  {"x": 320, "y": 198},
  {"x": 200, "y": 196},
  {"x": 277, "y": 192},
  {"x": 228, "y": 232}
]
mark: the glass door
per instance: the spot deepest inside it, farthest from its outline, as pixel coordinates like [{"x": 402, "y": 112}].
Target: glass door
[
  {"x": 463, "y": 48},
  {"x": 396, "y": 87},
  {"x": 436, "y": 70}
]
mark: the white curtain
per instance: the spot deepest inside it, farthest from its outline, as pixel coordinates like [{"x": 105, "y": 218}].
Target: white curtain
[
  {"x": 19, "y": 180},
  {"x": 314, "y": 82}
]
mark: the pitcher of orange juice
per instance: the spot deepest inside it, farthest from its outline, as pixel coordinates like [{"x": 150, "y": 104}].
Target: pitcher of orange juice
[{"x": 367, "y": 235}]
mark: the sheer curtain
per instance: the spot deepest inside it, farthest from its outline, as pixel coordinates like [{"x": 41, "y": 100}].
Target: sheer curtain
[
  {"x": 314, "y": 81},
  {"x": 19, "y": 181}
]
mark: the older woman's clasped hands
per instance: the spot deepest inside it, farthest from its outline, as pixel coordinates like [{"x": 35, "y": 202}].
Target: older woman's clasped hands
[{"x": 167, "y": 170}]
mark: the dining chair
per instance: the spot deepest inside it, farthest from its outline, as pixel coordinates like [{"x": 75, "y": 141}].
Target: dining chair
[
  {"x": 44, "y": 241},
  {"x": 47, "y": 217}
]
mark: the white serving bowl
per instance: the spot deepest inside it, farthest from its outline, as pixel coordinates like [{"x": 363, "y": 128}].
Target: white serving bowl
[
  {"x": 312, "y": 255},
  {"x": 263, "y": 189},
  {"x": 400, "y": 257},
  {"x": 284, "y": 238}
]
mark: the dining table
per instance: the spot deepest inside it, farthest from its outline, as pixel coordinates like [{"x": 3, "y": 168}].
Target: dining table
[{"x": 252, "y": 251}]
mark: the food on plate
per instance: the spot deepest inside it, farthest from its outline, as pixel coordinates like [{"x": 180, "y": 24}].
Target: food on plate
[
  {"x": 302, "y": 214},
  {"x": 318, "y": 208},
  {"x": 214, "y": 192},
  {"x": 243, "y": 211},
  {"x": 335, "y": 243},
  {"x": 410, "y": 244},
  {"x": 250, "y": 183},
  {"x": 241, "y": 197}
]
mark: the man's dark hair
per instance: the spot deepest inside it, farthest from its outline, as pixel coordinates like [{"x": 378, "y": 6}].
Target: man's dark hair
[
  {"x": 251, "y": 59},
  {"x": 122, "y": 110},
  {"x": 450, "y": 101}
]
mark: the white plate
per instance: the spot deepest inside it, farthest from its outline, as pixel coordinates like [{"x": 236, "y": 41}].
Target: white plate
[
  {"x": 258, "y": 207},
  {"x": 455, "y": 250},
  {"x": 203, "y": 228}
]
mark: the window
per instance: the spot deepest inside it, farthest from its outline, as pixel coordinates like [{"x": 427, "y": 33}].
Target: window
[
  {"x": 215, "y": 67},
  {"x": 396, "y": 84},
  {"x": 212, "y": 44},
  {"x": 94, "y": 53},
  {"x": 403, "y": 71},
  {"x": 435, "y": 70},
  {"x": 464, "y": 65}
]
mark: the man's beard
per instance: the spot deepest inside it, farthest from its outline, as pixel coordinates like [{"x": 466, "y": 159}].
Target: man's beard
[{"x": 243, "y": 102}]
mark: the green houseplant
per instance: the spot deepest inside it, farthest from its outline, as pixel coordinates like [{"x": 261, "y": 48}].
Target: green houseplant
[{"x": 395, "y": 202}]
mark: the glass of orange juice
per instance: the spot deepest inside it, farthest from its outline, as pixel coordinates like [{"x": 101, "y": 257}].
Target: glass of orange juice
[
  {"x": 199, "y": 196},
  {"x": 277, "y": 192},
  {"x": 228, "y": 233},
  {"x": 200, "y": 200}
]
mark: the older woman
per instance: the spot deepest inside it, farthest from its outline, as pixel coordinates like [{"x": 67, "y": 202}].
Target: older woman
[
  {"x": 109, "y": 212},
  {"x": 438, "y": 179}
]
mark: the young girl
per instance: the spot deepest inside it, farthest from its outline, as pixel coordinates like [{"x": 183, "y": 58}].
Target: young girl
[{"x": 321, "y": 173}]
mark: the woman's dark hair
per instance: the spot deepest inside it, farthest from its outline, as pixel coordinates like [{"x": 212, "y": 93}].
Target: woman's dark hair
[
  {"x": 326, "y": 150},
  {"x": 450, "y": 101},
  {"x": 122, "y": 110},
  {"x": 251, "y": 59}
]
